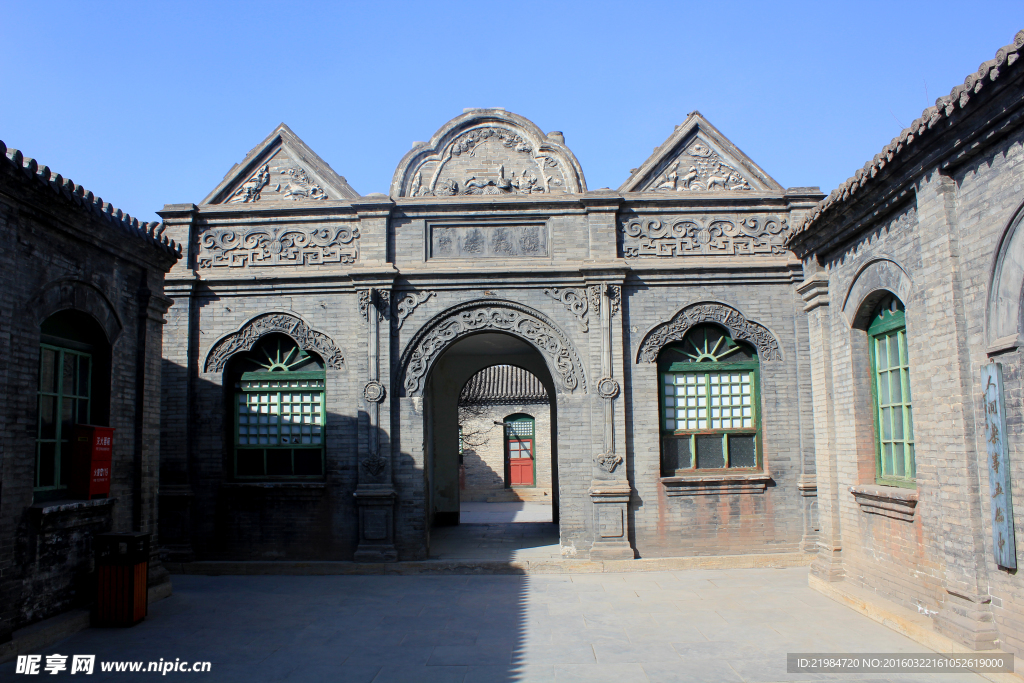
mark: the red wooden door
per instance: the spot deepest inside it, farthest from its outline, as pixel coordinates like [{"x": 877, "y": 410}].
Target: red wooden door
[{"x": 520, "y": 462}]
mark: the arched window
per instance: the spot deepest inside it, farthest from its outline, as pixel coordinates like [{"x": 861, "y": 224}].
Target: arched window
[
  {"x": 278, "y": 411},
  {"x": 709, "y": 404},
  {"x": 74, "y": 388},
  {"x": 520, "y": 456},
  {"x": 890, "y": 371}
]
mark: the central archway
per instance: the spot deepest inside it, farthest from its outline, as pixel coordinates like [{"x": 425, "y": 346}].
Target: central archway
[{"x": 453, "y": 347}]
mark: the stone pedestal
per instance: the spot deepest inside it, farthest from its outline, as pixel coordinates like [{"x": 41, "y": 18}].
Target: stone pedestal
[
  {"x": 828, "y": 565},
  {"x": 967, "y": 619},
  {"x": 611, "y": 538},
  {"x": 376, "y": 524}
]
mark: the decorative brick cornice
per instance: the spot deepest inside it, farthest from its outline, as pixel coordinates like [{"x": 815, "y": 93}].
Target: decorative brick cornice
[{"x": 151, "y": 233}]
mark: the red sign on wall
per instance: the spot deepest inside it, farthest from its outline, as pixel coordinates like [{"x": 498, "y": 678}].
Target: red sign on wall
[{"x": 92, "y": 450}]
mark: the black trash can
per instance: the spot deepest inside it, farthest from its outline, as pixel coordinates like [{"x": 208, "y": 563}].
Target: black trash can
[{"x": 122, "y": 567}]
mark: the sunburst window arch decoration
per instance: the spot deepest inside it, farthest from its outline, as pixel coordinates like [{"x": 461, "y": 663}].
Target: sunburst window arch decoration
[
  {"x": 279, "y": 409},
  {"x": 709, "y": 412}
]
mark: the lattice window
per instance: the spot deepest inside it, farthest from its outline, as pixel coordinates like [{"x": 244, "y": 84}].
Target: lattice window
[
  {"x": 280, "y": 414},
  {"x": 894, "y": 421},
  {"x": 708, "y": 403}
]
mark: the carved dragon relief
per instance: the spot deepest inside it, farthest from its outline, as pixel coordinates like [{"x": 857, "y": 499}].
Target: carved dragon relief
[
  {"x": 266, "y": 245},
  {"x": 244, "y": 339},
  {"x": 529, "y": 172},
  {"x": 675, "y": 329},
  {"x": 700, "y": 236},
  {"x": 698, "y": 169},
  {"x": 480, "y": 316}
]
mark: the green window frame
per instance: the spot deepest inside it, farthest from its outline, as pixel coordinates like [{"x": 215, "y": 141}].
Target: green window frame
[
  {"x": 709, "y": 408},
  {"x": 890, "y": 392},
  {"x": 64, "y": 400},
  {"x": 280, "y": 416}
]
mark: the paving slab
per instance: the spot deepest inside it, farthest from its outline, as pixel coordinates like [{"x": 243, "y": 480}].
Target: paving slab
[{"x": 492, "y": 629}]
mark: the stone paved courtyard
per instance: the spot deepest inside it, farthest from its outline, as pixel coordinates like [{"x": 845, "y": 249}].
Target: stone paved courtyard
[{"x": 699, "y": 625}]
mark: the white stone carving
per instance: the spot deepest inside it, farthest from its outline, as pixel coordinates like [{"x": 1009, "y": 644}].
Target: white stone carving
[
  {"x": 244, "y": 339},
  {"x": 703, "y": 236},
  {"x": 480, "y": 316},
  {"x": 607, "y": 388},
  {"x": 698, "y": 169},
  {"x": 290, "y": 245},
  {"x": 374, "y": 391},
  {"x": 300, "y": 186},
  {"x": 408, "y": 303},
  {"x": 726, "y": 316},
  {"x": 575, "y": 299},
  {"x": 251, "y": 188},
  {"x": 608, "y": 462}
]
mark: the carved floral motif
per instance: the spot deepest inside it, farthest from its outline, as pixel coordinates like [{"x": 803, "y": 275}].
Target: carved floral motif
[
  {"x": 408, "y": 304},
  {"x": 285, "y": 246},
  {"x": 244, "y": 339},
  {"x": 374, "y": 464},
  {"x": 575, "y": 299},
  {"x": 726, "y": 316},
  {"x": 695, "y": 235},
  {"x": 614, "y": 298},
  {"x": 374, "y": 391},
  {"x": 607, "y": 388},
  {"x": 608, "y": 461},
  {"x": 479, "y": 316},
  {"x": 377, "y": 299},
  {"x": 699, "y": 169}
]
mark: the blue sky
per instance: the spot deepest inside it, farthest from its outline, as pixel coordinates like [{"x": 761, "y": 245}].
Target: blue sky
[{"x": 147, "y": 103}]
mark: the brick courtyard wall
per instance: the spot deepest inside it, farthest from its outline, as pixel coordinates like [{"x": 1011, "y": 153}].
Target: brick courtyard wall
[
  {"x": 483, "y": 453},
  {"x": 931, "y": 227},
  {"x": 64, "y": 250}
]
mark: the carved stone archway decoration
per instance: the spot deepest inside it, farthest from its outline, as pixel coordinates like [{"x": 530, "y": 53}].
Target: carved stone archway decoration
[
  {"x": 286, "y": 323},
  {"x": 728, "y": 317},
  {"x": 498, "y": 316}
]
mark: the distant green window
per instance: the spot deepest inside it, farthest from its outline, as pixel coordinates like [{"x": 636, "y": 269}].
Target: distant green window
[
  {"x": 894, "y": 423},
  {"x": 65, "y": 378},
  {"x": 279, "y": 413},
  {"x": 708, "y": 403}
]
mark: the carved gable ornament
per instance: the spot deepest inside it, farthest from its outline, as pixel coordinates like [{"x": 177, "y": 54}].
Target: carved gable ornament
[
  {"x": 282, "y": 168},
  {"x": 698, "y": 158},
  {"x": 287, "y": 323},
  {"x": 739, "y": 327},
  {"x": 489, "y": 152}
]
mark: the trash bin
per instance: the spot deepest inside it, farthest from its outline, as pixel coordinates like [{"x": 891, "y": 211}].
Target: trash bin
[{"x": 122, "y": 565}]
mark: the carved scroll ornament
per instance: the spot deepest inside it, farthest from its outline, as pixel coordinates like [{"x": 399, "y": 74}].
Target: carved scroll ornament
[
  {"x": 575, "y": 299},
  {"x": 244, "y": 339},
  {"x": 726, "y": 316},
  {"x": 480, "y": 316},
  {"x": 699, "y": 236},
  {"x": 285, "y": 246},
  {"x": 407, "y": 304}
]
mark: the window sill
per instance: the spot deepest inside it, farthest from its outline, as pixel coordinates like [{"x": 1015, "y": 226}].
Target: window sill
[
  {"x": 714, "y": 483},
  {"x": 70, "y": 513},
  {"x": 894, "y": 502},
  {"x": 309, "y": 485}
]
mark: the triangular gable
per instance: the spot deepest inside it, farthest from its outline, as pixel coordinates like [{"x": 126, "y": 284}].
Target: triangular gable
[
  {"x": 698, "y": 158},
  {"x": 280, "y": 169}
]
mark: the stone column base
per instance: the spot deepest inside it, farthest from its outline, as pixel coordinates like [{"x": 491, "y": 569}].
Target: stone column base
[
  {"x": 828, "y": 566},
  {"x": 611, "y": 532},
  {"x": 376, "y": 525},
  {"x": 968, "y": 620}
]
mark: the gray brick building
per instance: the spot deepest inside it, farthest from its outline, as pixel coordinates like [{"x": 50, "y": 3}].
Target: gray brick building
[
  {"x": 913, "y": 272},
  {"x": 80, "y": 337}
]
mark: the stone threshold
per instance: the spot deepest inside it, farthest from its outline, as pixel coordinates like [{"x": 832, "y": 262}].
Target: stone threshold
[
  {"x": 904, "y": 621},
  {"x": 545, "y": 566}
]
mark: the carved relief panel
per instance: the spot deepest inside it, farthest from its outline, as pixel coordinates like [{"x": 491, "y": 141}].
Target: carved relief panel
[
  {"x": 699, "y": 168},
  {"x": 668, "y": 236},
  {"x": 267, "y": 245},
  {"x": 487, "y": 240},
  {"x": 279, "y": 179}
]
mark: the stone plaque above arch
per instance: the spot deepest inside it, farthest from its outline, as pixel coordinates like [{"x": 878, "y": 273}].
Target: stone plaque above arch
[
  {"x": 492, "y": 315},
  {"x": 286, "y": 323},
  {"x": 766, "y": 343},
  {"x": 878, "y": 274},
  {"x": 489, "y": 152}
]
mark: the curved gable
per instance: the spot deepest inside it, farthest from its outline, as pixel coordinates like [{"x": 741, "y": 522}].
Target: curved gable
[{"x": 489, "y": 151}]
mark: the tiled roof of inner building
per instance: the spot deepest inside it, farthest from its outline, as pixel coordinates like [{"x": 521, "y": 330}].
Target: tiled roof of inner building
[
  {"x": 150, "y": 232},
  {"x": 959, "y": 98},
  {"x": 502, "y": 385}
]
